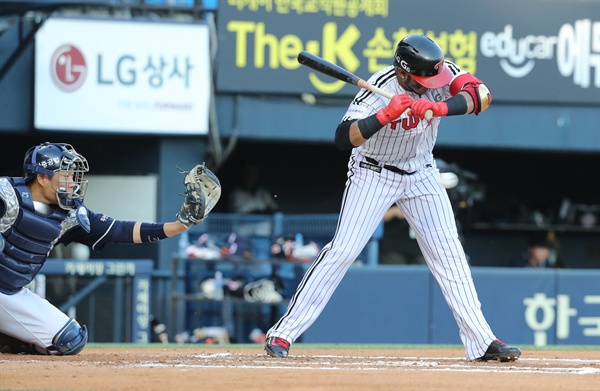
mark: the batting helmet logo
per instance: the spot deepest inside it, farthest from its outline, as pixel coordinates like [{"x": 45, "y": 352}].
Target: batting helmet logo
[
  {"x": 405, "y": 66},
  {"x": 439, "y": 66}
]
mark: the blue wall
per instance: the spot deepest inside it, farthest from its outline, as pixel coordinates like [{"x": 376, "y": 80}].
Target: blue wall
[
  {"x": 525, "y": 127},
  {"x": 404, "y": 304}
]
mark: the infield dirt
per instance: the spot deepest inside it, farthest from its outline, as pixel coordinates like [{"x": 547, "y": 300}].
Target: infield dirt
[{"x": 230, "y": 368}]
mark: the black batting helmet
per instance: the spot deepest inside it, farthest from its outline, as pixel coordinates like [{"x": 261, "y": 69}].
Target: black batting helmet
[{"x": 423, "y": 59}]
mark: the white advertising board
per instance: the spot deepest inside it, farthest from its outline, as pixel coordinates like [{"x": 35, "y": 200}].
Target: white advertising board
[{"x": 122, "y": 76}]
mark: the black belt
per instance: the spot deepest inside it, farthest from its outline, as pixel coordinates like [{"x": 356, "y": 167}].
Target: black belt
[{"x": 388, "y": 167}]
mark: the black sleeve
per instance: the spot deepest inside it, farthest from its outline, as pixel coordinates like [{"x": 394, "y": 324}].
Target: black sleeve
[
  {"x": 104, "y": 230},
  {"x": 342, "y": 135},
  {"x": 457, "y": 105}
]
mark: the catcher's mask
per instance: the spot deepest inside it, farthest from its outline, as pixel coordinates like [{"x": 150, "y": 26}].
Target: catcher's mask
[
  {"x": 423, "y": 59},
  {"x": 61, "y": 162}
]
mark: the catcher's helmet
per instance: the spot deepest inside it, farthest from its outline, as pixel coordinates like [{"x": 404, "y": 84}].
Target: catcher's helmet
[
  {"x": 49, "y": 158},
  {"x": 423, "y": 59}
]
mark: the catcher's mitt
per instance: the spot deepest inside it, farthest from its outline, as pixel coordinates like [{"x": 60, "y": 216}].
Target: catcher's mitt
[{"x": 202, "y": 191}]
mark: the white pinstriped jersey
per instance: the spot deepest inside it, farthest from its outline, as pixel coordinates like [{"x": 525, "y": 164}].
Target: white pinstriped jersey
[
  {"x": 371, "y": 188},
  {"x": 406, "y": 143}
]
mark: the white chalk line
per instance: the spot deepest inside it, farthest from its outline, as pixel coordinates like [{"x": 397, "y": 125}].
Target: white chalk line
[
  {"x": 366, "y": 363},
  {"x": 559, "y": 371},
  {"x": 380, "y": 363}
]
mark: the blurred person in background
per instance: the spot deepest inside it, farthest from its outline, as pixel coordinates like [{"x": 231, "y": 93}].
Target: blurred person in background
[
  {"x": 248, "y": 196},
  {"x": 398, "y": 244},
  {"x": 543, "y": 251}
]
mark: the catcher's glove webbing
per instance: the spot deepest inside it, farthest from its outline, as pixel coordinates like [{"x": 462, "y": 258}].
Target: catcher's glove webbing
[{"x": 202, "y": 191}]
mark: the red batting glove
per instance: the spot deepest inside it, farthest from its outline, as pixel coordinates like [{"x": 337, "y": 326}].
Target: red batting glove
[
  {"x": 394, "y": 109},
  {"x": 420, "y": 107}
]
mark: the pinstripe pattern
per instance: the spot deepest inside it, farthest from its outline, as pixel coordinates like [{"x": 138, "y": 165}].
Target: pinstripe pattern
[{"x": 406, "y": 144}]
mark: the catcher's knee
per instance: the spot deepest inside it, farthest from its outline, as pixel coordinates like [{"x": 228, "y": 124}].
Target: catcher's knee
[{"x": 70, "y": 340}]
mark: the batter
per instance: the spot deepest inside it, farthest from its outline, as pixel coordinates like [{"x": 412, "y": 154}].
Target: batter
[{"x": 392, "y": 163}]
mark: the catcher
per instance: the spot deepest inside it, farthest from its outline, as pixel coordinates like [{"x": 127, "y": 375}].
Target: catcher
[{"x": 45, "y": 208}]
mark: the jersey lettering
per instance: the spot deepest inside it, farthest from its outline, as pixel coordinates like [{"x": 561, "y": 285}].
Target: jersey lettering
[
  {"x": 409, "y": 123},
  {"x": 406, "y": 123}
]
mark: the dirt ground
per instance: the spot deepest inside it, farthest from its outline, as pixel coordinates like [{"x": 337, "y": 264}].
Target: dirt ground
[{"x": 202, "y": 367}]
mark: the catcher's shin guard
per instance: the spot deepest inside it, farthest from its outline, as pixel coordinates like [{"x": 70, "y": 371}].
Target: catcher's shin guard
[{"x": 70, "y": 340}]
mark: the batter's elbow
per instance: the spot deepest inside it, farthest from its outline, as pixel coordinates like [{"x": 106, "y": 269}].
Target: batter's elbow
[{"x": 342, "y": 136}]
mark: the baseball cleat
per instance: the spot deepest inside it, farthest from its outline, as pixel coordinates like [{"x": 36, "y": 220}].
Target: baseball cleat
[
  {"x": 277, "y": 347},
  {"x": 498, "y": 350}
]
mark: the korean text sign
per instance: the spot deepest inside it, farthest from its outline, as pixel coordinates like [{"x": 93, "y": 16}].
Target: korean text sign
[
  {"x": 556, "y": 59},
  {"x": 122, "y": 76}
]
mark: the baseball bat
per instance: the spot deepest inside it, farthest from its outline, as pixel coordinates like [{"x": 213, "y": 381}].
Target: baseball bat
[{"x": 337, "y": 72}]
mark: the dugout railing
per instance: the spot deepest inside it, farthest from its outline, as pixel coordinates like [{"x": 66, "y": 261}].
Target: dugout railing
[
  {"x": 204, "y": 250},
  {"x": 263, "y": 230}
]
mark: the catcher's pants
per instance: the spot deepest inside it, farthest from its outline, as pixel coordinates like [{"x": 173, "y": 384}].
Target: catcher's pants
[{"x": 31, "y": 319}]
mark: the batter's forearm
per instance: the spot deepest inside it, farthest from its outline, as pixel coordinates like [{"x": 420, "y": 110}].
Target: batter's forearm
[
  {"x": 356, "y": 136},
  {"x": 348, "y": 135},
  {"x": 366, "y": 127},
  {"x": 460, "y": 104}
]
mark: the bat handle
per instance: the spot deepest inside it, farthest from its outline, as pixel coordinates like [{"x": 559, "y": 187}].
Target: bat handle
[
  {"x": 368, "y": 86},
  {"x": 428, "y": 115}
]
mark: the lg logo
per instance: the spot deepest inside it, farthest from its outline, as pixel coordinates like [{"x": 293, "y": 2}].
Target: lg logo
[{"x": 68, "y": 68}]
